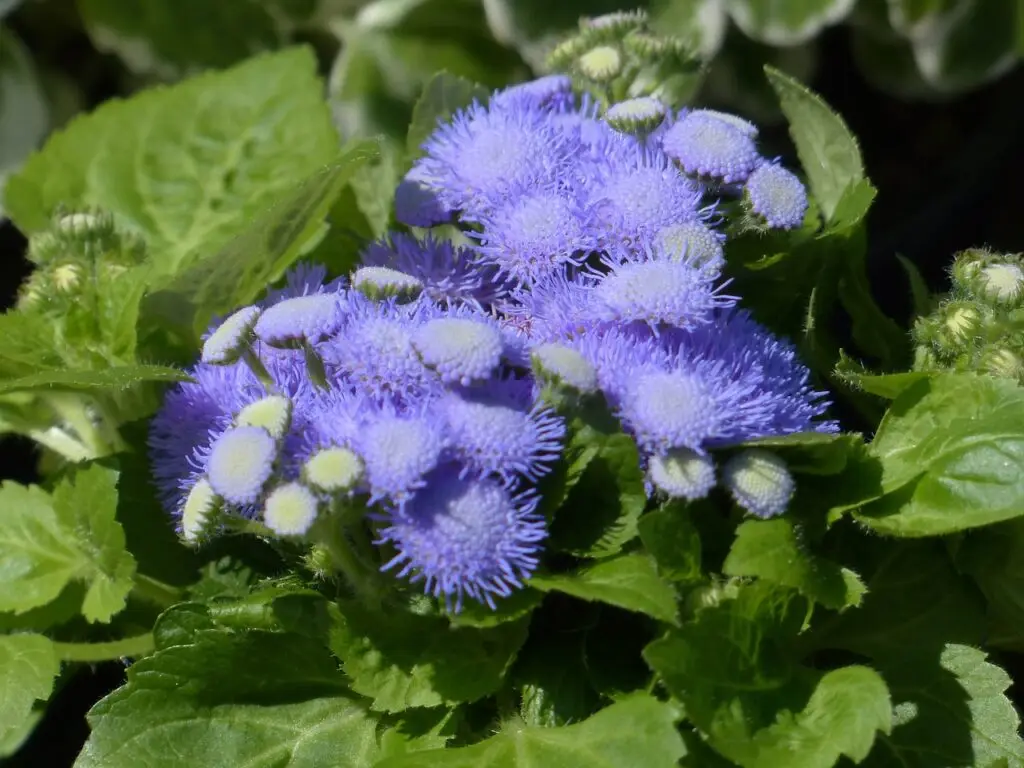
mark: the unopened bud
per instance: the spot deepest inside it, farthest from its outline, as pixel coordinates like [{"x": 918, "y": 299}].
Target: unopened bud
[
  {"x": 1001, "y": 361},
  {"x": 199, "y": 512},
  {"x": 601, "y": 64},
  {"x": 759, "y": 481},
  {"x": 683, "y": 473}
]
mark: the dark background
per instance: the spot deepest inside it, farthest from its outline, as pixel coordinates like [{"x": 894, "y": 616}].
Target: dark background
[{"x": 948, "y": 176}]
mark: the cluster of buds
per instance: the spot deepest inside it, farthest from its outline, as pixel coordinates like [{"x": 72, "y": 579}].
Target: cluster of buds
[
  {"x": 618, "y": 56},
  {"x": 979, "y": 325},
  {"x": 79, "y": 249}
]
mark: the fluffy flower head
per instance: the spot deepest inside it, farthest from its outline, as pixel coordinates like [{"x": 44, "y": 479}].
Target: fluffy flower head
[
  {"x": 466, "y": 536},
  {"x": 398, "y": 452}
]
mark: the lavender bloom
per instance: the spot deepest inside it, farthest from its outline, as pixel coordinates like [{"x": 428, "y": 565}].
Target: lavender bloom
[
  {"x": 706, "y": 145},
  {"x": 448, "y": 274},
  {"x": 477, "y": 159},
  {"x": 537, "y": 231},
  {"x": 498, "y": 430},
  {"x": 417, "y": 203},
  {"x": 373, "y": 350},
  {"x": 398, "y": 451},
  {"x": 464, "y": 535},
  {"x": 777, "y": 196},
  {"x": 552, "y": 92},
  {"x": 724, "y": 383},
  {"x": 641, "y": 196},
  {"x": 658, "y": 293}
]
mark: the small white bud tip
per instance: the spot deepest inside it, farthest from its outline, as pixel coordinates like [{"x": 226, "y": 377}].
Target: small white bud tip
[
  {"x": 290, "y": 510},
  {"x": 273, "y": 413},
  {"x": 565, "y": 366},
  {"x": 226, "y": 344},
  {"x": 683, "y": 474},
  {"x": 759, "y": 481},
  {"x": 333, "y": 470}
]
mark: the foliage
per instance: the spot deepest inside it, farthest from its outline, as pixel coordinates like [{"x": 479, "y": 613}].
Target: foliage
[{"x": 855, "y": 628}]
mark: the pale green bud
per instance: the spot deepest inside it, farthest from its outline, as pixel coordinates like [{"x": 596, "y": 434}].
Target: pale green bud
[
  {"x": 199, "y": 513},
  {"x": 999, "y": 360},
  {"x": 273, "y": 413},
  {"x": 601, "y": 64},
  {"x": 563, "y": 366},
  {"x": 290, "y": 510},
  {"x": 333, "y": 470},
  {"x": 759, "y": 481},
  {"x": 1001, "y": 284},
  {"x": 682, "y": 473},
  {"x": 378, "y": 283}
]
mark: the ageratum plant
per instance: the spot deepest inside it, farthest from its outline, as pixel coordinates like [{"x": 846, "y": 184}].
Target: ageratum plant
[{"x": 547, "y": 451}]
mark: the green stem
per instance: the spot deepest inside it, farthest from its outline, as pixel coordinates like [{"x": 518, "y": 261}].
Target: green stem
[
  {"x": 364, "y": 582},
  {"x": 156, "y": 592},
  {"x": 60, "y": 442},
  {"x": 74, "y": 410},
  {"x": 252, "y": 527},
  {"x": 139, "y": 645}
]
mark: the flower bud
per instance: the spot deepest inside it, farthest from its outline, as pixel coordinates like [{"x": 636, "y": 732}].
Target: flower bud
[
  {"x": 563, "y": 366},
  {"x": 198, "y": 515},
  {"x": 1000, "y": 284},
  {"x": 333, "y": 470},
  {"x": 759, "y": 481},
  {"x": 240, "y": 464},
  {"x": 637, "y": 117},
  {"x": 378, "y": 283},
  {"x": 232, "y": 337},
  {"x": 290, "y": 510},
  {"x": 272, "y": 413},
  {"x": 682, "y": 473},
  {"x": 966, "y": 266},
  {"x": 66, "y": 277},
  {"x": 601, "y": 64},
  {"x": 959, "y": 324},
  {"x": 1000, "y": 360}
]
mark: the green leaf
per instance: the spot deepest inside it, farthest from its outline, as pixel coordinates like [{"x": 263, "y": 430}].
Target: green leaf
[
  {"x": 828, "y": 151},
  {"x": 172, "y": 37},
  {"x": 114, "y": 378},
  {"x": 418, "y": 730},
  {"x": 637, "y": 731},
  {"x": 730, "y": 668},
  {"x": 219, "y": 699},
  {"x": 519, "y": 604},
  {"x": 957, "y": 46},
  {"x": 24, "y": 112},
  {"x": 852, "y": 207},
  {"x": 773, "y": 550},
  {"x": 994, "y": 558},
  {"x": 627, "y": 581},
  {"x": 887, "y": 385},
  {"x": 950, "y": 709},
  {"x": 922, "y": 297},
  {"x": 401, "y": 660},
  {"x": 86, "y": 504},
  {"x": 601, "y": 512},
  {"x": 551, "y": 674},
  {"x": 848, "y": 707},
  {"x": 672, "y": 539},
  {"x": 28, "y": 667},
  {"x": 240, "y": 271},
  {"x": 952, "y": 455},
  {"x": 442, "y": 97},
  {"x": 38, "y": 556},
  {"x": 916, "y": 602},
  {"x": 813, "y": 453},
  {"x": 190, "y": 165},
  {"x": 786, "y": 22}
]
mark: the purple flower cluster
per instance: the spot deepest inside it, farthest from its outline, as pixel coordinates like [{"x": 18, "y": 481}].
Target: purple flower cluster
[{"x": 590, "y": 259}]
